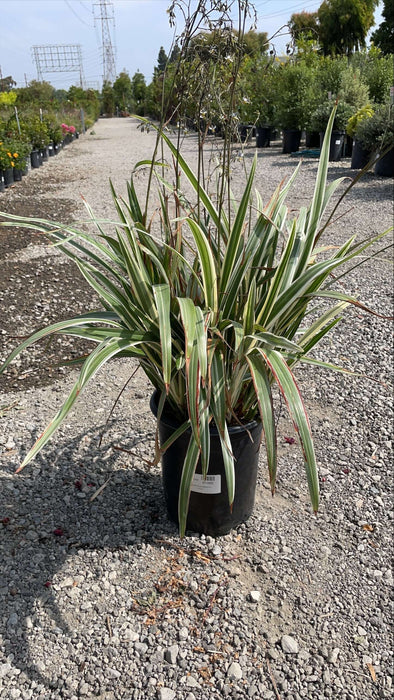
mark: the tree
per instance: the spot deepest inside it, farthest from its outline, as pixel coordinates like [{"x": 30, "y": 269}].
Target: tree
[
  {"x": 76, "y": 95},
  {"x": 60, "y": 95},
  {"x": 162, "y": 60},
  {"x": 383, "y": 36},
  {"x": 304, "y": 25},
  {"x": 123, "y": 91},
  {"x": 7, "y": 83},
  {"x": 41, "y": 93},
  {"x": 138, "y": 91},
  {"x": 175, "y": 54},
  {"x": 255, "y": 43},
  {"x": 344, "y": 24},
  {"x": 107, "y": 99}
]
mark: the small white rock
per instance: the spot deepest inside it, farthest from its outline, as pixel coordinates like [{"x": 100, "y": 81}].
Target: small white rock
[
  {"x": 192, "y": 682},
  {"x": 10, "y": 444},
  {"x": 333, "y": 655},
  {"x": 165, "y": 694},
  {"x": 4, "y": 670},
  {"x": 254, "y": 596},
  {"x": 234, "y": 671},
  {"x": 68, "y": 582},
  {"x": 171, "y": 654},
  {"x": 289, "y": 644},
  {"x": 112, "y": 673},
  {"x": 130, "y": 636}
]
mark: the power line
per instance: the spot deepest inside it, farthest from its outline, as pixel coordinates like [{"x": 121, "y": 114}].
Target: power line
[
  {"x": 76, "y": 14},
  {"x": 287, "y": 10}
]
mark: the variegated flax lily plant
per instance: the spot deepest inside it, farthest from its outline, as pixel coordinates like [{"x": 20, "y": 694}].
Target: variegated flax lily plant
[{"x": 215, "y": 314}]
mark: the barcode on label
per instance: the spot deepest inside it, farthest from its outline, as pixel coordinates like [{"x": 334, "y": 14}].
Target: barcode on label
[{"x": 212, "y": 484}]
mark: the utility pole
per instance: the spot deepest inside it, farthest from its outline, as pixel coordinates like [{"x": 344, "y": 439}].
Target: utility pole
[{"x": 106, "y": 17}]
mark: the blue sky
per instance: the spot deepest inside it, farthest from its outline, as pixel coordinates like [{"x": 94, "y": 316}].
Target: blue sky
[{"x": 140, "y": 28}]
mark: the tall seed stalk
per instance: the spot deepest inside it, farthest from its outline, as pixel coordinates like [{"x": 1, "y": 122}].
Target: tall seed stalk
[{"x": 204, "y": 77}]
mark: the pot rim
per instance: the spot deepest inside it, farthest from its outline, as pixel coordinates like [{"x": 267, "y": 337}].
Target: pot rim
[{"x": 172, "y": 422}]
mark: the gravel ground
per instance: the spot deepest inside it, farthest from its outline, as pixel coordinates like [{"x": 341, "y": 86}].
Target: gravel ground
[{"x": 99, "y": 598}]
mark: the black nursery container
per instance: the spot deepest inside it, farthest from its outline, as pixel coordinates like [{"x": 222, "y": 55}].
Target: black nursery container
[
  {"x": 209, "y": 511},
  {"x": 35, "y": 158},
  {"x": 360, "y": 156},
  {"x": 291, "y": 140},
  {"x": 385, "y": 165},
  {"x": 8, "y": 177},
  {"x": 336, "y": 145},
  {"x": 263, "y": 136}
]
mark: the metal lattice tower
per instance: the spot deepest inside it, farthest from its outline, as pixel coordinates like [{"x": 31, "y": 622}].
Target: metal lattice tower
[
  {"x": 58, "y": 58},
  {"x": 108, "y": 49}
]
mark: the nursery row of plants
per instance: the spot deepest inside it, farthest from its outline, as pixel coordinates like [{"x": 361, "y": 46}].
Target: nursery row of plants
[
  {"x": 289, "y": 93},
  {"x": 296, "y": 93},
  {"x": 18, "y": 157},
  {"x": 36, "y": 122}
]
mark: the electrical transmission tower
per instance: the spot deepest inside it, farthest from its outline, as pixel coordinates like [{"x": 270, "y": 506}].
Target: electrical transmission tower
[
  {"x": 58, "y": 58},
  {"x": 106, "y": 17}
]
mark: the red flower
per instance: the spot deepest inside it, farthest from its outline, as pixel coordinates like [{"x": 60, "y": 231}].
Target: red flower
[
  {"x": 5, "y": 521},
  {"x": 48, "y": 584},
  {"x": 58, "y": 532},
  {"x": 290, "y": 440}
]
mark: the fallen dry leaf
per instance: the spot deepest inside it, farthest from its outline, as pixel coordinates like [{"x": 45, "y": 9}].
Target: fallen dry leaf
[
  {"x": 372, "y": 672},
  {"x": 201, "y": 556},
  {"x": 368, "y": 528}
]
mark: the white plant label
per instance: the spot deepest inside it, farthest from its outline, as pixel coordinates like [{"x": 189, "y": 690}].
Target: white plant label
[{"x": 212, "y": 484}]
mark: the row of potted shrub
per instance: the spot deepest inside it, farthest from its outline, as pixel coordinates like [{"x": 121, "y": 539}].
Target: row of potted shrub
[
  {"x": 369, "y": 133},
  {"x": 18, "y": 156}
]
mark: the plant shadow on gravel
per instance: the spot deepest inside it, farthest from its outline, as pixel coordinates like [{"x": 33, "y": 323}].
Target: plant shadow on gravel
[{"x": 49, "y": 515}]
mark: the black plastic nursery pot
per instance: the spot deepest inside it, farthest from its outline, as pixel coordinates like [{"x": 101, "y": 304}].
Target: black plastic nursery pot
[
  {"x": 291, "y": 140},
  {"x": 17, "y": 175},
  {"x": 360, "y": 156},
  {"x": 312, "y": 139},
  {"x": 336, "y": 145},
  {"x": 347, "y": 146},
  {"x": 209, "y": 511},
  {"x": 35, "y": 159},
  {"x": 263, "y": 136},
  {"x": 8, "y": 177},
  {"x": 385, "y": 165},
  {"x": 246, "y": 132}
]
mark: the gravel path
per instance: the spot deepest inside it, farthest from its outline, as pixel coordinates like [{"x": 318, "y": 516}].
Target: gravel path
[{"x": 98, "y": 596}]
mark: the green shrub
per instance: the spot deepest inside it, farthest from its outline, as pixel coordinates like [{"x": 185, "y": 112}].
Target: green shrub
[
  {"x": 377, "y": 132},
  {"x": 292, "y": 91},
  {"x": 321, "y": 116},
  {"x": 37, "y": 132},
  {"x": 377, "y": 73},
  {"x": 364, "y": 113}
]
